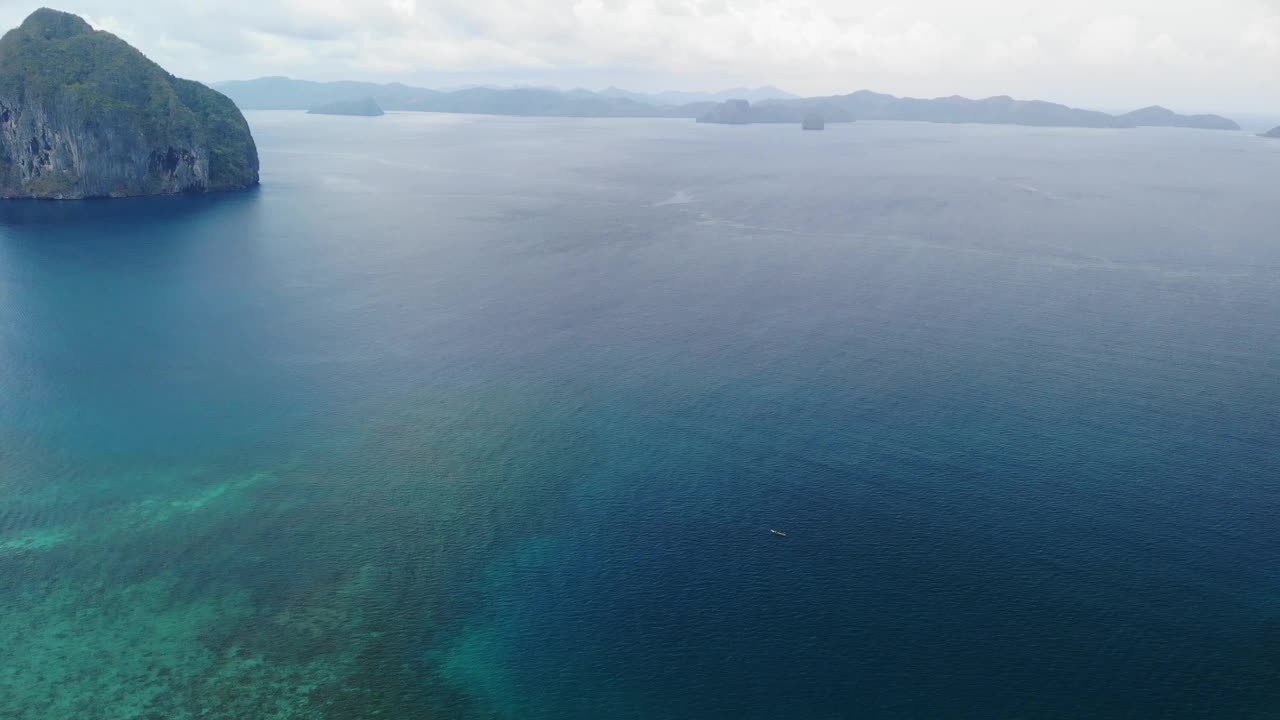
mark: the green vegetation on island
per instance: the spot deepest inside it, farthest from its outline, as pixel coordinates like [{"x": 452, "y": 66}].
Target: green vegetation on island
[{"x": 84, "y": 114}]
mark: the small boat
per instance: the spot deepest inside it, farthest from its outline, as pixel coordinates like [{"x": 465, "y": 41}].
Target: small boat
[{"x": 779, "y": 533}]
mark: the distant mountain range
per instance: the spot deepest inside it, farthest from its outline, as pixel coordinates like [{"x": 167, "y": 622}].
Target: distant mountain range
[
  {"x": 279, "y": 93},
  {"x": 670, "y": 97},
  {"x": 766, "y": 104},
  {"x": 365, "y": 107}
]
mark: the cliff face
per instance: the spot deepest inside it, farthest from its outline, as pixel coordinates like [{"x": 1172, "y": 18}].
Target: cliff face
[{"x": 83, "y": 114}]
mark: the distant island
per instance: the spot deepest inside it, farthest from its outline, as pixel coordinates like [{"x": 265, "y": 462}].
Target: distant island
[
  {"x": 763, "y": 105},
  {"x": 1274, "y": 133},
  {"x": 365, "y": 107},
  {"x": 1002, "y": 110},
  {"x": 83, "y": 114},
  {"x": 277, "y": 93},
  {"x": 280, "y": 93},
  {"x": 1157, "y": 116}
]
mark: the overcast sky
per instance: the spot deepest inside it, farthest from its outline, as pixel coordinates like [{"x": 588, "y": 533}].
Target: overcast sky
[{"x": 1193, "y": 55}]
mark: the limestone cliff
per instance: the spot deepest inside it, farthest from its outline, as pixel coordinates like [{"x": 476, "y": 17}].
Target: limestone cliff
[{"x": 83, "y": 114}]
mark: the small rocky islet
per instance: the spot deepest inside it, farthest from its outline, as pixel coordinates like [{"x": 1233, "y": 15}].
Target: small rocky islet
[{"x": 83, "y": 114}]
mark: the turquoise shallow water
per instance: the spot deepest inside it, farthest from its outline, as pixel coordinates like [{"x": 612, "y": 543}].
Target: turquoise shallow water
[{"x": 491, "y": 417}]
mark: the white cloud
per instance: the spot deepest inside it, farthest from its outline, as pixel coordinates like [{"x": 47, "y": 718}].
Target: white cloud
[
  {"x": 1112, "y": 53},
  {"x": 1262, "y": 38},
  {"x": 1109, "y": 41},
  {"x": 1021, "y": 51},
  {"x": 406, "y": 8}
]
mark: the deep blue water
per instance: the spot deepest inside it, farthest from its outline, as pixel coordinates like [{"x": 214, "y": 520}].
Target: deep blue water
[{"x": 490, "y": 418}]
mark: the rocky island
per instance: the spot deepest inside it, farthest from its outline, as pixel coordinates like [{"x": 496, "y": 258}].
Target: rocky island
[
  {"x": 1275, "y": 133},
  {"x": 84, "y": 114},
  {"x": 367, "y": 107}
]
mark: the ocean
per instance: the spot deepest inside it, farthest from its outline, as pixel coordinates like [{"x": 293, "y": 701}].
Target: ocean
[{"x": 477, "y": 417}]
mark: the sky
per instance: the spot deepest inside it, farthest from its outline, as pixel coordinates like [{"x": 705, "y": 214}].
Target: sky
[{"x": 1191, "y": 55}]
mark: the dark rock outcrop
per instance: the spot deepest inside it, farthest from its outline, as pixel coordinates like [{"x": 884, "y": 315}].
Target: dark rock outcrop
[
  {"x": 367, "y": 107},
  {"x": 83, "y": 114}
]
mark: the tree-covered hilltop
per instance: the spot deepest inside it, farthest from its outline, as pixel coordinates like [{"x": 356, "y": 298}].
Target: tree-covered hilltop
[{"x": 84, "y": 114}]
